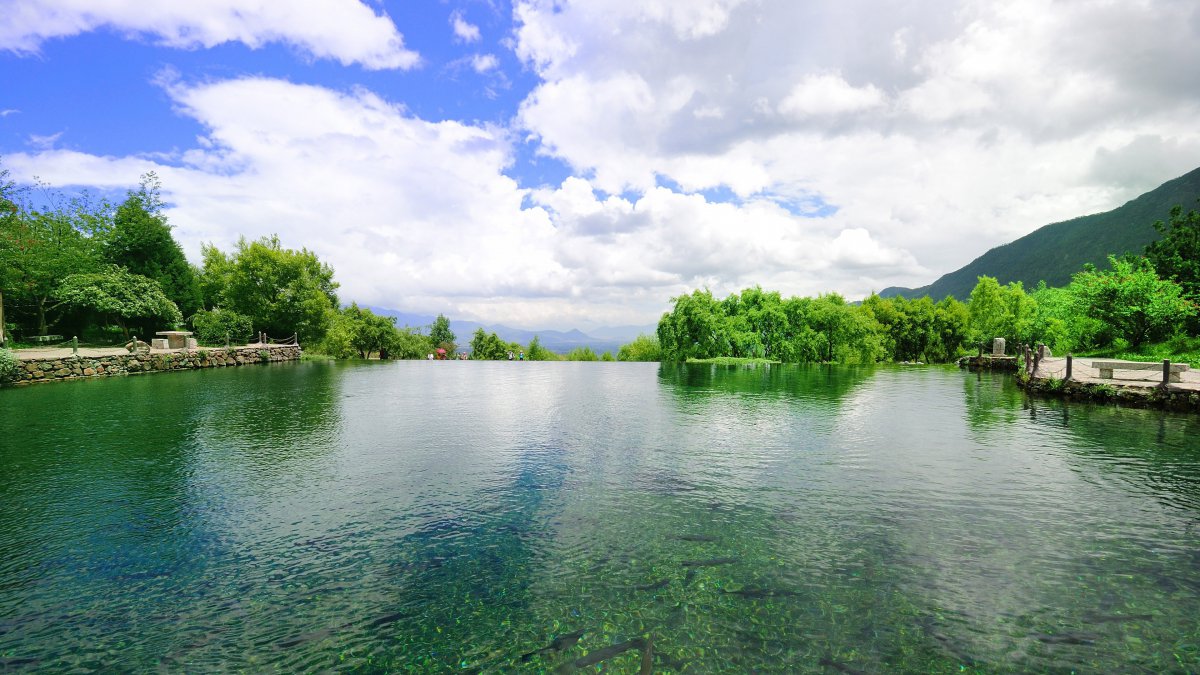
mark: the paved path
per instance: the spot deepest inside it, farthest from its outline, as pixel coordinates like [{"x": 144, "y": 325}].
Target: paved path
[{"x": 1082, "y": 371}]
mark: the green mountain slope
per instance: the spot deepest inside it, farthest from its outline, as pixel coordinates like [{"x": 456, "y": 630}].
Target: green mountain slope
[{"x": 1054, "y": 252}]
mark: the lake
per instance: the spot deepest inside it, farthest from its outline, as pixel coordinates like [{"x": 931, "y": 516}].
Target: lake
[{"x": 460, "y": 516}]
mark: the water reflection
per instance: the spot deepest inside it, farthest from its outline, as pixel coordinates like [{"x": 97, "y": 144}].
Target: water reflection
[{"x": 444, "y": 517}]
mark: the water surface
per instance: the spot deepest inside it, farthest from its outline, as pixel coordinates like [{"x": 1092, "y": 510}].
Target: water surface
[{"x": 457, "y": 517}]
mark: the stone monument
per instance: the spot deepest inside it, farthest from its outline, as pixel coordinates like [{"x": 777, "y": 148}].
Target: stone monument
[{"x": 998, "y": 347}]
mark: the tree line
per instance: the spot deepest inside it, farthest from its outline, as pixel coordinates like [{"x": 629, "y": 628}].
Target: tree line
[{"x": 1137, "y": 300}]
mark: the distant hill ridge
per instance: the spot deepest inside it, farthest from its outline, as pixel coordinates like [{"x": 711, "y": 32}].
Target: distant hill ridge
[{"x": 1054, "y": 252}]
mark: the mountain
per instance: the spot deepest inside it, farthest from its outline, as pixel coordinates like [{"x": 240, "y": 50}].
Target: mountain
[
  {"x": 603, "y": 340},
  {"x": 1054, "y": 252}
]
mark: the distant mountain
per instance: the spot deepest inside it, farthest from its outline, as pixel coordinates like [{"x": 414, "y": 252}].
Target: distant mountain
[
  {"x": 1054, "y": 252},
  {"x": 602, "y": 339}
]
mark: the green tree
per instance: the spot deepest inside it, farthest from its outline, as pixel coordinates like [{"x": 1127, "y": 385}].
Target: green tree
[
  {"x": 643, "y": 348},
  {"x": 409, "y": 344},
  {"x": 1001, "y": 311},
  {"x": 440, "y": 334},
  {"x": 283, "y": 291},
  {"x": 536, "y": 352},
  {"x": 1176, "y": 256},
  {"x": 1132, "y": 300},
  {"x": 355, "y": 331},
  {"x": 694, "y": 328},
  {"x": 141, "y": 241},
  {"x": 582, "y": 354},
  {"x": 38, "y": 249},
  {"x": 121, "y": 296},
  {"x": 213, "y": 327},
  {"x": 489, "y": 347}
]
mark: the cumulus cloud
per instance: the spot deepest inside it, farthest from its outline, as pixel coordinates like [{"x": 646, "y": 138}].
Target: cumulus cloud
[
  {"x": 463, "y": 29},
  {"x": 940, "y": 128},
  {"x": 344, "y": 30},
  {"x": 483, "y": 63},
  {"x": 420, "y": 215}
]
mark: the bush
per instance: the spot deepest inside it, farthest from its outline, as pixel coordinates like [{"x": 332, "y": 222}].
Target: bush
[
  {"x": 582, "y": 354},
  {"x": 212, "y": 327},
  {"x": 8, "y": 366}
]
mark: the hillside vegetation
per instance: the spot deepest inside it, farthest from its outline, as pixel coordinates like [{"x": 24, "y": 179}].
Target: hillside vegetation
[{"x": 1054, "y": 252}]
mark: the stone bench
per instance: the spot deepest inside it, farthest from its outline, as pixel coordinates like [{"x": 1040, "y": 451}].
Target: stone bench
[
  {"x": 1106, "y": 368},
  {"x": 47, "y": 338}
]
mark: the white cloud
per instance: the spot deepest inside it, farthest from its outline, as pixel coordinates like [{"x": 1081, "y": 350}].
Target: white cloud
[
  {"x": 344, "y": 30},
  {"x": 937, "y": 130},
  {"x": 829, "y": 94},
  {"x": 419, "y": 215},
  {"x": 464, "y": 30},
  {"x": 483, "y": 63},
  {"x": 44, "y": 141}
]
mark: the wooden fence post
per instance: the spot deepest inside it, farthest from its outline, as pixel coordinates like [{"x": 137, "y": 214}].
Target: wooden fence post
[
  {"x": 1068, "y": 366},
  {"x": 1166, "y": 372}
]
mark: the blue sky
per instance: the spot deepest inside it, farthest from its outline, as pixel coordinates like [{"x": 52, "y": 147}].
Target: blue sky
[{"x": 555, "y": 164}]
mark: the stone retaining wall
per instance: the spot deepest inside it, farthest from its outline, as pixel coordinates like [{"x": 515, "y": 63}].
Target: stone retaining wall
[
  {"x": 1133, "y": 395},
  {"x": 72, "y": 367}
]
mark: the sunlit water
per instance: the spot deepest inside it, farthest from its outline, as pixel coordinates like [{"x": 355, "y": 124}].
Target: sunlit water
[{"x": 439, "y": 517}]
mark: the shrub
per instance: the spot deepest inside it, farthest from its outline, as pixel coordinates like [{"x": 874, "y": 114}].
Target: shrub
[
  {"x": 212, "y": 326},
  {"x": 8, "y": 366}
]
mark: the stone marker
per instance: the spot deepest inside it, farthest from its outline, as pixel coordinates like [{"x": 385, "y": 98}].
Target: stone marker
[{"x": 998, "y": 347}]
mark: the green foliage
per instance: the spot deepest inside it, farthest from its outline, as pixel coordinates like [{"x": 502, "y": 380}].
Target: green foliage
[
  {"x": 8, "y": 366},
  {"x": 40, "y": 248},
  {"x": 489, "y": 347},
  {"x": 607, "y": 356},
  {"x": 440, "y": 334},
  {"x": 1001, "y": 311},
  {"x": 761, "y": 325},
  {"x": 1131, "y": 300},
  {"x": 140, "y": 240},
  {"x": 283, "y": 291},
  {"x": 121, "y": 296},
  {"x": 536, "y": 352},
  {"x": 1177, "y": 255},
  {"x": 582, "y": 354},
  {"x": 643, "y": 348},
  {"x": 214, "y": 327},
  {"x": 409, "y": 344}
]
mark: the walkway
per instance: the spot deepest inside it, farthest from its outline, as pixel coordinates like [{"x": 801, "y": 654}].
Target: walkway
[{"x": 1082, "y": 371}]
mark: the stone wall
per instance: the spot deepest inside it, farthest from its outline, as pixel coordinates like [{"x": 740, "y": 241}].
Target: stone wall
[
  {"x": 1133, "y": 395},
  {"x": 71, "y": 367}
]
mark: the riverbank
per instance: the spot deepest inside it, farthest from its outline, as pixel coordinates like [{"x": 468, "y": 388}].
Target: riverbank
[
  {"x": 60, "y": 364},
  {"x": 1137, "y": 388}
]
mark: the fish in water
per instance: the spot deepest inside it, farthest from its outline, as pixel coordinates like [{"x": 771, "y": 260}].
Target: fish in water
[
  {"x": 390, "y": 618},
  {"x": 1116, "y": 618},
  {"x": 306, "y": 637},
  {"x": 605, "y": 653},
  {"x": 838, "y": 666},
  {"x": 711, "y": 562},
  {"x": 560, "y": 643},
  {"x": 653, "y": 586},
  {"x": 1069, "y": 638},
  {"x": 757, "y": 593},
  {"x": 696, "y": 537}
]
